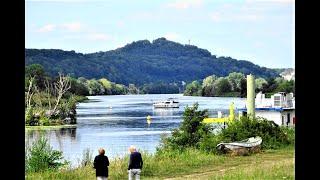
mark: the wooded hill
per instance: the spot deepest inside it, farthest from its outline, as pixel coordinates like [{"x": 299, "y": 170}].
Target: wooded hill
[{"x": 142, "y": 62}]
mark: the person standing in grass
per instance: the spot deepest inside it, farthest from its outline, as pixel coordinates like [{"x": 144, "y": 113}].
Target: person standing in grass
[
  {"x": 101, "y": 163},
  {"x": 135, "y": 163}
]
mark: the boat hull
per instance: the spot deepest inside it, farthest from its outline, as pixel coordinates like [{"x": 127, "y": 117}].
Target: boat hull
[
  {"x": 166, "y": 105},
  {"x": 249, "y": 143}
]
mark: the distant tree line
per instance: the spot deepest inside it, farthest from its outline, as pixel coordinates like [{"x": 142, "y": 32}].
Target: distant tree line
[
  {"x": 235, "y": 84},
  {"x": 85, "y": 87}
]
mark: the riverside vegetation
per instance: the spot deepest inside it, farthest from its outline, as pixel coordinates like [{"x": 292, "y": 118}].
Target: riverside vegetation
[
  {"x": 235, "y": 84},
  {"x": 51, "y": 101},
  {"x": 190, "y": 152}
]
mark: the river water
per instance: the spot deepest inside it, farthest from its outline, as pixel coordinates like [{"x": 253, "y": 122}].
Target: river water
[{"x": 116, "y": 122}]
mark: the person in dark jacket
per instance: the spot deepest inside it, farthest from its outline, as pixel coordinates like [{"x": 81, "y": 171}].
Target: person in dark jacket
[
  {"x": 101, "y": 163},
  {"x": 135, "y": 163}
]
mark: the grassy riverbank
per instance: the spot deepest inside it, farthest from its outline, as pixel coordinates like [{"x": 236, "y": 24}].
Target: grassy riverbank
[{"x": 193, "y": 164}]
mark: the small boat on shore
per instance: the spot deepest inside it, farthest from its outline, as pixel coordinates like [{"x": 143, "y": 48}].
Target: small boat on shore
[
  {"x": 169, "y": 103},
  {"x": 247, "y": 143}
]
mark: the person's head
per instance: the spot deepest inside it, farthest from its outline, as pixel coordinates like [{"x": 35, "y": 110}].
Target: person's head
[
  {"x": 132, "y": 149},
  {"x": 101, "y": 151}
]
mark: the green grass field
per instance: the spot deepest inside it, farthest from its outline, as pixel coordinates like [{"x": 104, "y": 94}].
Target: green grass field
[{"x": 193, "y": 164}]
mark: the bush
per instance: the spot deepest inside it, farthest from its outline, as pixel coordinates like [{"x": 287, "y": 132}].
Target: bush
[
  {"x": 191, "y": 130},
  {"x": 86, "y": 157},
  {"x": 29, "y": 116},
  {"x": 40, "y": 157},
  {"x": 273, "y": 136},
  {"x": 193, "y": 133},
  {"x": 209, "y": 143},
  {"x": 44, "y": 121}
]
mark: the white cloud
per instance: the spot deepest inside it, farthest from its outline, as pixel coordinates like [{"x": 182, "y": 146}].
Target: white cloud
[
  {"x": 98, "y": 37},
  {"x": 47, "y": 28},
  {"x": 172, "y": 36},
  {"x": 73, "y": 27},
  {"x": 185, "y": 4}
]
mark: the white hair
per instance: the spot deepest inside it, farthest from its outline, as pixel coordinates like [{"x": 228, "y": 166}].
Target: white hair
[{"x": 132, "y": 148}]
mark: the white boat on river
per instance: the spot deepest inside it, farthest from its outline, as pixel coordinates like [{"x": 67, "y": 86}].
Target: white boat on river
[{"x": 169, "y": 103}]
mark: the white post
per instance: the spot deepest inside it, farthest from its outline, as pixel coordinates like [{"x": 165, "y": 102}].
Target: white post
[{"x": 250, "y": 96}]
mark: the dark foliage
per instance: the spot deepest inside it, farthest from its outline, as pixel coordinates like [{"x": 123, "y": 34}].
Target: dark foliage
[{"x": 160, "y": 88}]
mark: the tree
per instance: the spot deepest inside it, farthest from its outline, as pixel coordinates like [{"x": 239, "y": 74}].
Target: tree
[
  {"x": 118, "y": 89},
  {"x": 29, "y": 92},
  {"x": 208, "y": 85},
  {"x": 270, "y": 87},
  {"x": 243, "y": 89},
  {"x": 133, "y": 89},
  {"x": 260, "y": 82},
  {"x": 77, "y": 87},
  {"x": 107, "y": 85},
  {"x": 235, "y": 81},
  {"x": 191, "y": 130},
  {"x": 95, "y": 88},
  {"x": 193, "y": 89},
  {"x": 61, "y": 87},
  {"x": 37, "y": 72},
  {"x": 160, "y": 88},
  {"x": 286, "y": 86},
  {"x": 222, "y": 86},
  {"x": 82, "y": 80}
]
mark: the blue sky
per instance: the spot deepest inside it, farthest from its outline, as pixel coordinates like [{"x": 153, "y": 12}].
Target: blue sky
[{"x": 261, "y": 31}]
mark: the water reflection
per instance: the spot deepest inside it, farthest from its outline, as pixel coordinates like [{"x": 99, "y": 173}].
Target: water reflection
[
  {"x": 166, "y": 111},
  {"x": 59, "y": 134}
]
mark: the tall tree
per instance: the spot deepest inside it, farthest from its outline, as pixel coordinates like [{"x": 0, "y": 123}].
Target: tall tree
[
  {"x": 208, "y": 85},
  {"x": 260, "y": 82},
  {"x": 193, "y": 89},
  {"x": 235, "y": 79},
  {"x": 222, "y": 86},
  {"x": 38, "y": 73}
]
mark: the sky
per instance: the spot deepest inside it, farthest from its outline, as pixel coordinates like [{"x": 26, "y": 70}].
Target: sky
[{"x": 260, "y": 31}]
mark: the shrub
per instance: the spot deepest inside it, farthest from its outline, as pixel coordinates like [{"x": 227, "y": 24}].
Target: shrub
[
  {"x": 44, "y": 121},
  {"x": 191, "y": 130},
  {"x": 40, "y": 157},
  {"x": 29, "y": 116},
  {"x": 86, "y": 157},
  {"x": 193, "y": 133},
  {"x": 209, "y": 143},
  {"x": 273, "y": 136}
]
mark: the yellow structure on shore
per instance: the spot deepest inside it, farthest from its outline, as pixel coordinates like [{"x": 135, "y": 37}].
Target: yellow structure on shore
[
  {"x": 250, "y": 104},
  {"x": 228, "y": 119}
]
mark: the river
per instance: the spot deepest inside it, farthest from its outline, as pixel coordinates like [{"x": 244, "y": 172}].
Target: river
[{"x": 116, "y": 122}]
